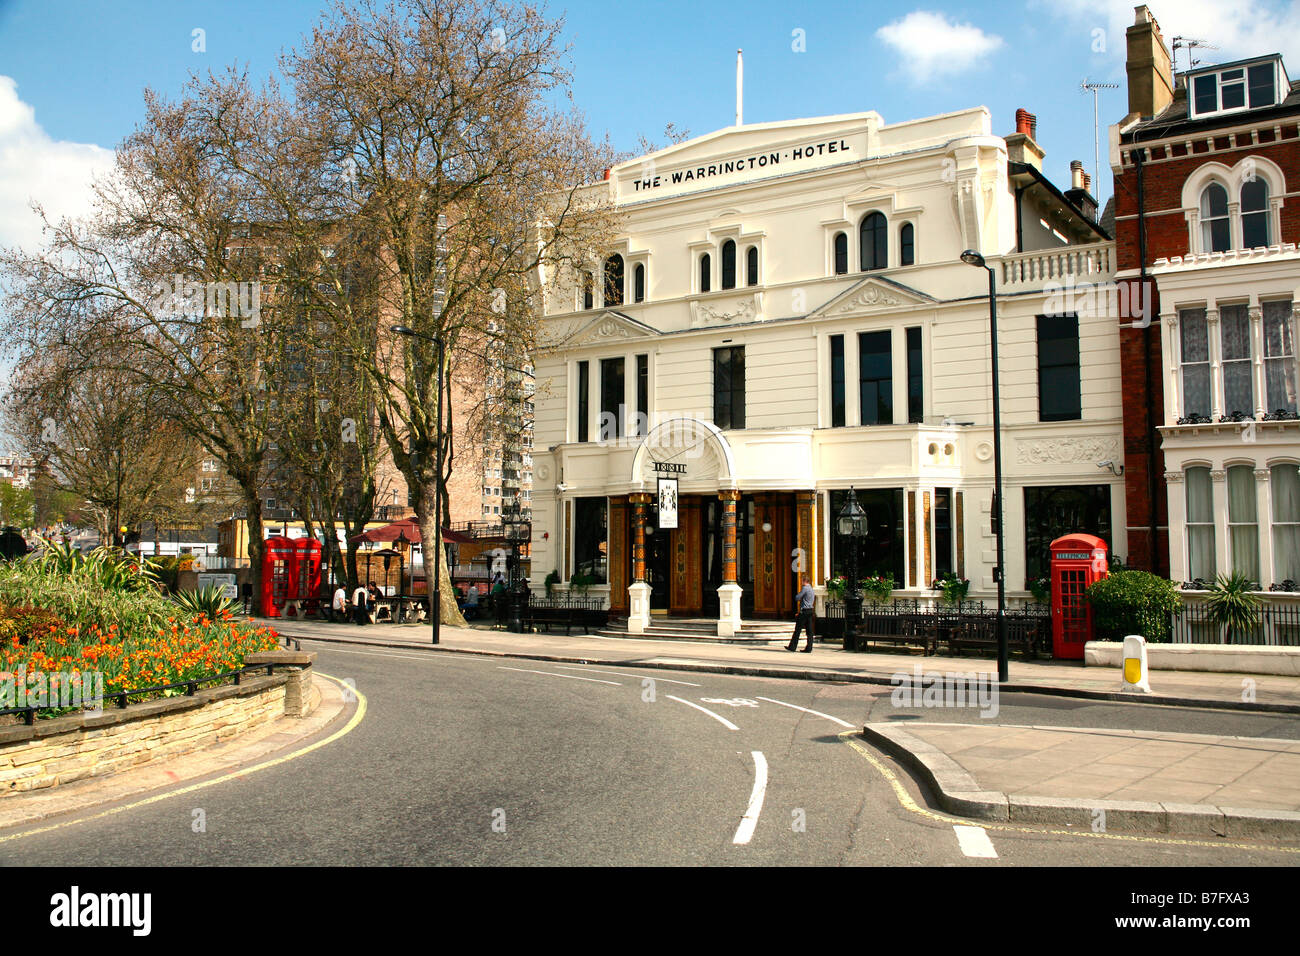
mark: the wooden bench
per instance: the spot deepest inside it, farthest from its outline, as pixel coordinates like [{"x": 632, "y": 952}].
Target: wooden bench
[
  {"x": 1025, "y": 634},
  {"x": 570, "y": 617}
]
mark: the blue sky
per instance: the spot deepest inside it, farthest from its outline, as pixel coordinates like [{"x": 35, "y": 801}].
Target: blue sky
[{"x": 71, "y": 73}]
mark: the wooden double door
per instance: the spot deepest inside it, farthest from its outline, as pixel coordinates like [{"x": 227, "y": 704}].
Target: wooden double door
[{"x": 684, "y": 565}]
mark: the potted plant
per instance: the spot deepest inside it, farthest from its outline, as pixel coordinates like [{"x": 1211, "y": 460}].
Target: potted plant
[
  {"x": 581, "y": 582},
  {"x": 1233, "y": 606},
  {"x": 952, "y": 589},
  {"x": 1041, "y": 589},
  {"x": 552, "y": 579},
  {"x": 835, "y": 588},
  {"x": 878, "y": 588}
]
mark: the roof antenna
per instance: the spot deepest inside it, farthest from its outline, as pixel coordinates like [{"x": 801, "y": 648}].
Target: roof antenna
[
  {"x": 740, "y": 88},
  {"x": 1086, "y": 87},
  {"x": 1189, "y": 44}
]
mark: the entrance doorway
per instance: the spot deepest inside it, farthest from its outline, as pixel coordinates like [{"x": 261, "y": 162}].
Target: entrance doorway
[{"x": 711, "y": 558}]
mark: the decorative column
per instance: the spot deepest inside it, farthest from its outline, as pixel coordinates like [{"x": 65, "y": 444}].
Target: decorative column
[
  {"x": 1258, "y": 385},
  {"x": 1264, "y": 524},
  {"x": 638, "y": 592},
  {"x": 1222, "y": 541},
  {"x": 1216, "y": 367},
  {"x": 1177, "y": 503},
  {"x": 729, "y": 591}
]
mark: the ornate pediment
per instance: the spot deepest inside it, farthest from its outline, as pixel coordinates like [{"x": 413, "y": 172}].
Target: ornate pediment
[
  {"x": 872, "y": 293},
  {"x": 607, "y": 326}
]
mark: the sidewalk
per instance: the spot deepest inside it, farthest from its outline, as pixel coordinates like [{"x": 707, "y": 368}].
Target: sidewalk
[
  {"x": 1107, "y": 779},
  {"x": 1064, "y": 678}
]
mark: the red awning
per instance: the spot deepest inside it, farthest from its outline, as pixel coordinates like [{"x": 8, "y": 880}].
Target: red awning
[{"x": 410, "y": 528}]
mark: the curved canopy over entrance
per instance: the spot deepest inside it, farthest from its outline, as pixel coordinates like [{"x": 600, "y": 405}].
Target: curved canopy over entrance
[{"x": 694, "y": 452}]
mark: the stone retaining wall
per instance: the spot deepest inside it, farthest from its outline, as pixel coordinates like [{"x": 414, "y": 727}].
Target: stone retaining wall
[
  {"x": 58, "y": 751},
  {"x": 1227, "y": 658}
]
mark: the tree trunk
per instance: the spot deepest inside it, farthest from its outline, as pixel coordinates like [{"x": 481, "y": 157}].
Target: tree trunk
[{"x": 430, "y": 535}]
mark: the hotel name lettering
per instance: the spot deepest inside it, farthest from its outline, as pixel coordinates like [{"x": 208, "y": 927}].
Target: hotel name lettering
[
  {"x": 668, "y": 467},
  {"x": 744, "y": 164}
]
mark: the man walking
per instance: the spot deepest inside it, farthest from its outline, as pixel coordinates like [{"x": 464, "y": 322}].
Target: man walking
[{"x": 804, "y": 602}]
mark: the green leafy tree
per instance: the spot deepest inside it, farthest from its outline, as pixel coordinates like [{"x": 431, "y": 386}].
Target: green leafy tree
[{"x": 1133, "y": 602}]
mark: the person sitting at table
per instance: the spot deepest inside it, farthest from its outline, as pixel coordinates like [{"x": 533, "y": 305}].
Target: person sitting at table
[
  {"x": 375, "y": 595},
  {"x": 339, "y": 606},
  {"x": 360, "y": 611}
]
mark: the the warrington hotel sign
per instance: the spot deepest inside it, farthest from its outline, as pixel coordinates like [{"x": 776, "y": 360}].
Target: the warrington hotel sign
[{"x": 794, "y": 156}]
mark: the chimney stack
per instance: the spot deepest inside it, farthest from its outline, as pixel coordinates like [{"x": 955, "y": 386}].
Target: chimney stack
[
  {"x": 1076, "y": 174},
  {"x": 1087, "y": 182},
  {"x": 1150, "y": 72},
  {"x": 1021, "y": 147}
]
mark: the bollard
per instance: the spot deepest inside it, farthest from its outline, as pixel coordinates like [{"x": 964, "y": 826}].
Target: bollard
[{"x": 1135, "y": 666}]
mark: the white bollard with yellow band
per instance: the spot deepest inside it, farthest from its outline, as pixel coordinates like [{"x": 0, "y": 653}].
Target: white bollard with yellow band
[{"x": 1135, "y": 665}]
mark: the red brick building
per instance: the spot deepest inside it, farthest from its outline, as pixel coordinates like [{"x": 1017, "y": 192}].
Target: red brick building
[{"x": 1207, "y": 174}]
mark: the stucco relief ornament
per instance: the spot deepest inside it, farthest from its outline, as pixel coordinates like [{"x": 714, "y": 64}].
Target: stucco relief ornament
[
  {"x": 871, "y": 295},
  {"x": 609, "y": 329},
  {"x": 543, "y": 472},
  {"x": 1065, "y": 450},
  {"x": 744, "y": 309}
]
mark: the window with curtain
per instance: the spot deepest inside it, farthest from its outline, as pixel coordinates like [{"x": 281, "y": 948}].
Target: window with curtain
[
  {"x": 1285, "y": 488},
  {"x": 1243, "y": 524},
  {"x": 706, "y": 273},
  {"x": 907, "y": 245},
  {"x": 751, "y": 266},
  {"x": 873, "y": 242},
  {"x": 1200, "y": 524},
  {"x": 1194, "y": 344},
  {"x": 1254, "y": 214},
  {"x": 1216, "y": 234},
  {"x": 1234, "y": 342},
  {"x": 876, "y": 378},
  {"x": 729, "y": 264},
  {"x": 841, "y": 253},
  {"x": 1279, "y": 359}
]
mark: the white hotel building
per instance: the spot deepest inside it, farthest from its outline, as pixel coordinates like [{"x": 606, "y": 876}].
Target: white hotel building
[{"x": 785, "y": 315}]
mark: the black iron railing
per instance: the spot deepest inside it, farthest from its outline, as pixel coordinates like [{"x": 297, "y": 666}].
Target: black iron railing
[
  {"x": 1275, "y": 625},
  {"x": 122, "y": 697}
]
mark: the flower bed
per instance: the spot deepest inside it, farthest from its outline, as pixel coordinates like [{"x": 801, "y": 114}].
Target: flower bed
[{"x": 85, "y": 616}]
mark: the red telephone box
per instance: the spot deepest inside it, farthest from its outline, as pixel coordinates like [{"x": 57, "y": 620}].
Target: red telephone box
[
  {"x": 306, "y": 572},
  {"x": 1077, "y": 561},
  {"x": 277, "y": 575}
]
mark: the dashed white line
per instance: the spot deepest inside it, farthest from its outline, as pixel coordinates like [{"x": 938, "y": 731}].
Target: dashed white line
[
  {"x": 745, "y": 831},
  {"x": 718, "y": 717},
  {"x": 974, "y": 841},
  {"x": 523, "y": 670},
  {"x": 815, "y": 713},
  {"x": 662, "y": 680}
]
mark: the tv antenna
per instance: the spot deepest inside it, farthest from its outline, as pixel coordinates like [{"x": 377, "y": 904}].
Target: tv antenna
[
  {"x": 1190, "y": 44},
  {"x": 1094, "y": 89}
]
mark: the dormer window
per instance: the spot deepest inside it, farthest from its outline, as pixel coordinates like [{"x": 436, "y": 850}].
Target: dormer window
[{"x": 1249, "y": 86}]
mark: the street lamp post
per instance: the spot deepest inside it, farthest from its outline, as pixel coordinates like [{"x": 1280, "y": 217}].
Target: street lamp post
[
  {"x": 435, "y": 587},
  {"x": 973, "y": 258},
  {"x": 852, "y": 523},
  {"x": 517, "y": 530}
]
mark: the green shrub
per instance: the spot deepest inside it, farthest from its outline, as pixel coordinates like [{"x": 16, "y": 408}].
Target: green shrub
[
  {"x": 210, "y": 601},
  {"x": 1233, "y": 607},
  {"x": 877, "y": 588},
  {"x": 581, "y": 582},
  {"x": 1133, "y": 602},
  {"x": 552, "y": 579},
  {"x": 21, "y": 622},
  {"x": 167, "y": 567},
  {"x": 952, "y": 589}
]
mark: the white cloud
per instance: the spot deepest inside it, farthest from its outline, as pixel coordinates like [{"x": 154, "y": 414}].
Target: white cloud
[
  {"x": 56, "y": 174},
  {"x": 1239, "y": 28},
  {"x": 932, "y": 46}
]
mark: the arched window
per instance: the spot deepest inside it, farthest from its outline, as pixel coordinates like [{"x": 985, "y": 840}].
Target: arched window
[
  {"x": 906, "y": 245},
  {"x": 706, "y": 273},
  {"x": 873, "y": 242},
  {"x": 841, "y": 253},
  {"x": 729, "y": 264},
  {"x": 614, "y": 280},
  {"x": 751, "y": 266},
  {"x": 1254, "y": 214},
  {"x": 588, "y": 291},
  {"x": 638, "y": 282},
  {"x": 1216, "y": 234}
]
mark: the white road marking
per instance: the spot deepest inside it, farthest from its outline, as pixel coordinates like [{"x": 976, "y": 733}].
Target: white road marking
[
  {"x": 745, "y": 831},
  {"x": 405, "y": 657},
  {"x": 522, "y": 670},
  {"x": 718, "y": 717},
  {"x": 662, "y": 680},
  {"x": 816, "y": 713},
  {"x": 672, "y": 660},
  {"x": 730, "y": 701},
  {"x": 975, "y": 842}
]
